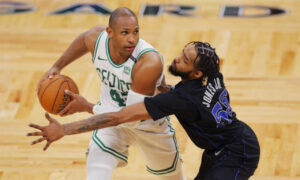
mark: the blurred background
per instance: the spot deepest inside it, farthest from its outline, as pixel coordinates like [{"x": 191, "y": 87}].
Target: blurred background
[{"x": 258, "y": 42}]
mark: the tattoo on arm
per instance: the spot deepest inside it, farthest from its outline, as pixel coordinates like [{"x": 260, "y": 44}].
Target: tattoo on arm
[{"x": 92, "y": 123}]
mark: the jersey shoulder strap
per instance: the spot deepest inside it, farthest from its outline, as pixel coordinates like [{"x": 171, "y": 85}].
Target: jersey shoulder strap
[
  {"x": 98, "y": 43},
  {"x": 141, "y": 48}
]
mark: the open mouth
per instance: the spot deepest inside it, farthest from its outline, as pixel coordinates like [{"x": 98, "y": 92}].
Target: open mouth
[{"x": 129, "y": 48}]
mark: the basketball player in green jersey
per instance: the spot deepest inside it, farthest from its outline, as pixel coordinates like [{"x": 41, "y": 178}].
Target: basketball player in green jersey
[{"x": 129, "y": 69}]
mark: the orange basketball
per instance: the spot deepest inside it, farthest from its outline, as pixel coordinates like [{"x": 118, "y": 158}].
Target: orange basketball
[{"x": 52, "y": 93}]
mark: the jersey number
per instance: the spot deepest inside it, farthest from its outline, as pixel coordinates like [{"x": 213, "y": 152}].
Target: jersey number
[
  {"x": 222, "y": 111},
  {"x": 117, "y": 97}
]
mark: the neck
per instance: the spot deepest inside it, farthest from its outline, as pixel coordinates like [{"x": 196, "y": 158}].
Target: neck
[
  {"x": 184, "y": 80},
  {"x": 116, "y": 55}
]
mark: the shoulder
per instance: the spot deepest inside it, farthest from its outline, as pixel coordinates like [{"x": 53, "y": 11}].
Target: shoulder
[
  {"x": 93, "y": 33},
  {"x": 171, "y": 102},
  {"x": 151, "y": 57},
  {"x": 146, "y": 73},
  {"x": 149, "y": 62},
  {"x": 91, "y": 36}
]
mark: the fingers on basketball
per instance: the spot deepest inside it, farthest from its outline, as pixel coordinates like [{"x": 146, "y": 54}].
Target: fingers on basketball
[
  {"x": 64, "y": 112},
  {"x": 52, "y": 94}
]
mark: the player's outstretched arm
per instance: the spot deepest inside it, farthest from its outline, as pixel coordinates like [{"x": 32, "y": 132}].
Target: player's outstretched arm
[{"x": 55, "y": 131}]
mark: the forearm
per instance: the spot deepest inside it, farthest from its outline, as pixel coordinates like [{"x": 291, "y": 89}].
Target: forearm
[
  {"x": 95, "y": 122},
  {"x": 130, "y": 113},
  {"x": 74, "y": 51}
]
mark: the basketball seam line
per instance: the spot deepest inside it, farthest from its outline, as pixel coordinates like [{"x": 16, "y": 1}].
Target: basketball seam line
[
  {"x": 48, "y": 86},
  {"x": 57, "y": 95}
]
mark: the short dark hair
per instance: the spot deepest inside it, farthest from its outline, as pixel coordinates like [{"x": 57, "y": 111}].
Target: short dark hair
[
  {"x": 122, "y": 11},
  {"x": 207, "y": 60}
]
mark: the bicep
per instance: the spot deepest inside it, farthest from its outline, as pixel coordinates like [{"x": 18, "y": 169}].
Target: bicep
[
  {"x": 165, "y": 104},
  {"x": 146, "y": 73}
]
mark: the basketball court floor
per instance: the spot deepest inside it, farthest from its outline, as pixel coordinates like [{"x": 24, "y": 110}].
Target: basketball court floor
[{"x": 259, "y": 42}]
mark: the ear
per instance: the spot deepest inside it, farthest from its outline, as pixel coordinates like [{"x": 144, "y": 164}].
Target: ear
[
  {"x": 109, "y": 31},
  {"x": 197, "y": 74}
]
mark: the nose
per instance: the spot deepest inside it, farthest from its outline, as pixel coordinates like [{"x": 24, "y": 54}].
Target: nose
[{"x": 131, "y": 39}]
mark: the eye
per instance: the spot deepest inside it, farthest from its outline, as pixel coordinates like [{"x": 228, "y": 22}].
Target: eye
[
  {"x": 184, "y": 58},
  {"x": 124, "y": 32},
  {"x": 136, "y": 31}
]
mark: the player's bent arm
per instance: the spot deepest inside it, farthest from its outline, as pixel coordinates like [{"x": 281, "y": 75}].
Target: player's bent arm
[
  {"x": 81, "y": 45},
  {"x": 146, "y": 72}
]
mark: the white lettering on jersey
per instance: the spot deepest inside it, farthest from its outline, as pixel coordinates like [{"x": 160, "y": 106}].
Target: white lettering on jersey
[{"x": 210, "y": 91}]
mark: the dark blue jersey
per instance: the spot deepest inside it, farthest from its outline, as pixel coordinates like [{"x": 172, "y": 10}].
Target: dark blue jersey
[{"x": 202, "y": 109}]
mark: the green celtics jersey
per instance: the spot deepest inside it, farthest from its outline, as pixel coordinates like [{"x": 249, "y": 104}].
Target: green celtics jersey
[{"x": 116, "y": 78}]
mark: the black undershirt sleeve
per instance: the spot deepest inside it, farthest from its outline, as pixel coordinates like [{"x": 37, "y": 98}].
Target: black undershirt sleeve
[{"x": 164, "y": 104}]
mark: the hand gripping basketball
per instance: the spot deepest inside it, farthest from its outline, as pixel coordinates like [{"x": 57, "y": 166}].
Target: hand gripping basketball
[
  {"x": 78, "y": 104},
  {"x": 49, "y": 74},
  {"x": 52, "y": 94}
]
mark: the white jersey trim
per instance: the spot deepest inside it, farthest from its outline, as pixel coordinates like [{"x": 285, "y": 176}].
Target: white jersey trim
[{"x": 96, "y": 46}]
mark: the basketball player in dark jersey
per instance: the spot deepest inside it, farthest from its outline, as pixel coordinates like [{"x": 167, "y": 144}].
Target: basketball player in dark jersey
[{"x": 201, "y": 103}]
